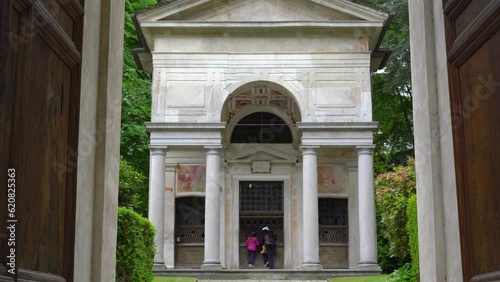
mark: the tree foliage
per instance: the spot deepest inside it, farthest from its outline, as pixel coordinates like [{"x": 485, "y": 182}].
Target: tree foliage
[
  {"x": 393, "y": 189},
  {"x": 136, "y": 110},
  {"x": 130, "y": 183},
  {"x": 391, "y": 90}
]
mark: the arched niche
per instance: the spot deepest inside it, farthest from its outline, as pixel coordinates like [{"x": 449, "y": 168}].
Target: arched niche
[
  {"x": 271, "y": 99},
  {"x": 262, "y": 127}
]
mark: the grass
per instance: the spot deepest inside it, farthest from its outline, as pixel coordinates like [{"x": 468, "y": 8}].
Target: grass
[
  {"x": 174, "y": 279},
  {"x": 380, "y": 278}
]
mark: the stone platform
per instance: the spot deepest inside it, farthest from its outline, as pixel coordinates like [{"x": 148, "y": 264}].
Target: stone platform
[
  {"x": 264, "y": 274},
  {"x": 262, "y": 280}
]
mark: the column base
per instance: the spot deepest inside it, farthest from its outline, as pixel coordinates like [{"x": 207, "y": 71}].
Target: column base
[
  {"x": 159, "y": 265},
  {"x": 311, "y": 266},
  {"x": 211, "y": 266},
  {"x": 369, "y": 267}
]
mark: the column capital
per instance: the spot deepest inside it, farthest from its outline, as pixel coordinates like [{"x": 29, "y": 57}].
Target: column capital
[
  {"x": 157, "y": 150},
  {"x": 309, "y": 150},
  {"x": 214, "y": 147},
  {"x": 213, "y": 150},
  {"x": 171, "y": 167},
  {"x": 365, "y": 150}
]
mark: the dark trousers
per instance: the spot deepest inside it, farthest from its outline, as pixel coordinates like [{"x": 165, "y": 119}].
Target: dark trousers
[
  {"x": 251, "y": 256},
  {"x": 270, "y": 255}
]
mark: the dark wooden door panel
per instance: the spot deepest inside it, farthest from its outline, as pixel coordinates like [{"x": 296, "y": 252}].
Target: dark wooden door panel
[
  {"x": 473, "y": 41},
  {"x": 40, "y": 111}
]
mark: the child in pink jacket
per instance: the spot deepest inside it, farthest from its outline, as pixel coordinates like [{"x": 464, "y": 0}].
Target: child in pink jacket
[{"x": 252, "y": 246}]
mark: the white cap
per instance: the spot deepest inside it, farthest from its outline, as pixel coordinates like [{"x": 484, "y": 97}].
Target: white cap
[{"x": 265, "y": 228}]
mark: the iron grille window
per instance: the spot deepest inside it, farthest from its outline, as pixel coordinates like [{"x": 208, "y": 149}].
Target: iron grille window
[
  {"x": 333, "y": 220},
  {"x": 190, "y": 219},
  {"x": 261, "y": 196},
  {"x": 248, "y": 224}
]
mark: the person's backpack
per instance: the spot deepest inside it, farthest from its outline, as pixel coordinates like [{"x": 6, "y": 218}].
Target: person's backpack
[{"x": 270, "y": 240}]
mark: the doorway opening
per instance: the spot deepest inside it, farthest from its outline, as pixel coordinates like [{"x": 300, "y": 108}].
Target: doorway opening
[{"x": 261, "y": 204}]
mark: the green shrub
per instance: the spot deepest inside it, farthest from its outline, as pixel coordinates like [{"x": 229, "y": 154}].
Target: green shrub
[
  {"x": 412, "y": 228},
  {"x": 393, "y": 189},
  {"x": 135, "y": 247},
  {"x": 387, "y": 262},
  {"x": 403, "y": 274}
]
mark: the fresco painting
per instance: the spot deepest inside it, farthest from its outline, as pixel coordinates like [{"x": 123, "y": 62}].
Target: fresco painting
[
  {"x": 332, "y": 180},
  {"x": 191, "y": 178}
]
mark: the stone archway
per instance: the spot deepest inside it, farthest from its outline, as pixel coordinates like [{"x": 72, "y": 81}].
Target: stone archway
[
  {"x": 274, "y": 112},
  {"x": 264, "y": 97}
]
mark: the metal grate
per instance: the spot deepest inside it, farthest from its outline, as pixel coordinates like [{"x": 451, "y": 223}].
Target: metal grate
[
  {"x": 261, "y": 204},
  {"x": 333, "y": 234},
  {"x": 332, "y": 212},
  {"x": 190, "y": 211},
  {"x": 190, "y": 234},
  {"x": 190, "y": 220},
  {"x": 248, "y": 224},
  {"x": 261, "y": 196},
  {"x": 333, "y": 221}
]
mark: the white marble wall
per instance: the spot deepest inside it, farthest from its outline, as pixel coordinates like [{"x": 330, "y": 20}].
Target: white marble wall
[{"x": 328, "y": 87}]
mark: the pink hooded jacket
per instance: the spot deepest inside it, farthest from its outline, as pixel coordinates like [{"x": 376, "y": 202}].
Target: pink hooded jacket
[{"x": 252, "y": 243}]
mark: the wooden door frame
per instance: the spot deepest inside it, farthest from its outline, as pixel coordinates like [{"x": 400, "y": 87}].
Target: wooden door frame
[{"x": 460, "y": 48}]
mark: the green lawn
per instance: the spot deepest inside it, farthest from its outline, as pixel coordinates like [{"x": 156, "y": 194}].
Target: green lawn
[
  {"x": 174, "y": 279},
  {"x": 380, "y": 278}
]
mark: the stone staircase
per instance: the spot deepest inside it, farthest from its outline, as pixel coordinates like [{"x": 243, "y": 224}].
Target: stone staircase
[
  {"x": 260, "y": 280},
  {"x": 261, "y": 275}
]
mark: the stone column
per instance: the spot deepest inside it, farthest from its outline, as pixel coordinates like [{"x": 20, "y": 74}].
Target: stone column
[
  {"x": 310, "y": 232},
  {"x": 157, "y": 198},
  {"x": 366, "y": 196},
  {"x": 212, "y": 210}
]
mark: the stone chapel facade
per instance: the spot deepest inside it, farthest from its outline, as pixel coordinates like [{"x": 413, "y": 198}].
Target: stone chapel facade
[{"x": 261, "y": 115}]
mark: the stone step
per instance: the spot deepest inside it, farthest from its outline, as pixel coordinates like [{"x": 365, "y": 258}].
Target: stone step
[
  {"x": 227, "y": 275},
  {"x": 260, "y": 280}
]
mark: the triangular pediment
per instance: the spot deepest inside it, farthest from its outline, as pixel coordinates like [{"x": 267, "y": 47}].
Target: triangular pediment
[
  {"x": 271, "y": 18},
  {"x": 261, "y": 11},
  {"x": 260, "y": 152}
]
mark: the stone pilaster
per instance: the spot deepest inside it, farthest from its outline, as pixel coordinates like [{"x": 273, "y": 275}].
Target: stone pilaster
[
  {"x": 366, "y": 197},
  {"x": 310, "y": 232},
  {"x": 169, "y": 225},
  {"x": 157, "y": 198},
  {"x": 212, "y": 210},
  {"x": 353, "y": 212}
]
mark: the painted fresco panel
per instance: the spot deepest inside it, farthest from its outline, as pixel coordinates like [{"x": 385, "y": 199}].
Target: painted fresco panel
[
  {"x": 191, "y": 178},
  {"x": 332, "y": 180}
]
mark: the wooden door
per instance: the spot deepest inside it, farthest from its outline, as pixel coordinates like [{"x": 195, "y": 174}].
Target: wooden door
[
  {"x": 473, "y": 46},
  {"x": 40, "y": 56}
]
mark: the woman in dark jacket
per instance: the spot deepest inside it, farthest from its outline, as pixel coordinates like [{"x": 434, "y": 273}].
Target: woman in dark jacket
[
  {"x": 262, "y": 242},
  {"x": 269, "y": 241}
]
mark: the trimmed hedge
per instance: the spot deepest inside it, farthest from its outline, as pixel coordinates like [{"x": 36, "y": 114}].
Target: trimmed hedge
[
  {"x": 412, "y": 229},
  {"x": 135, "y": 247}
]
